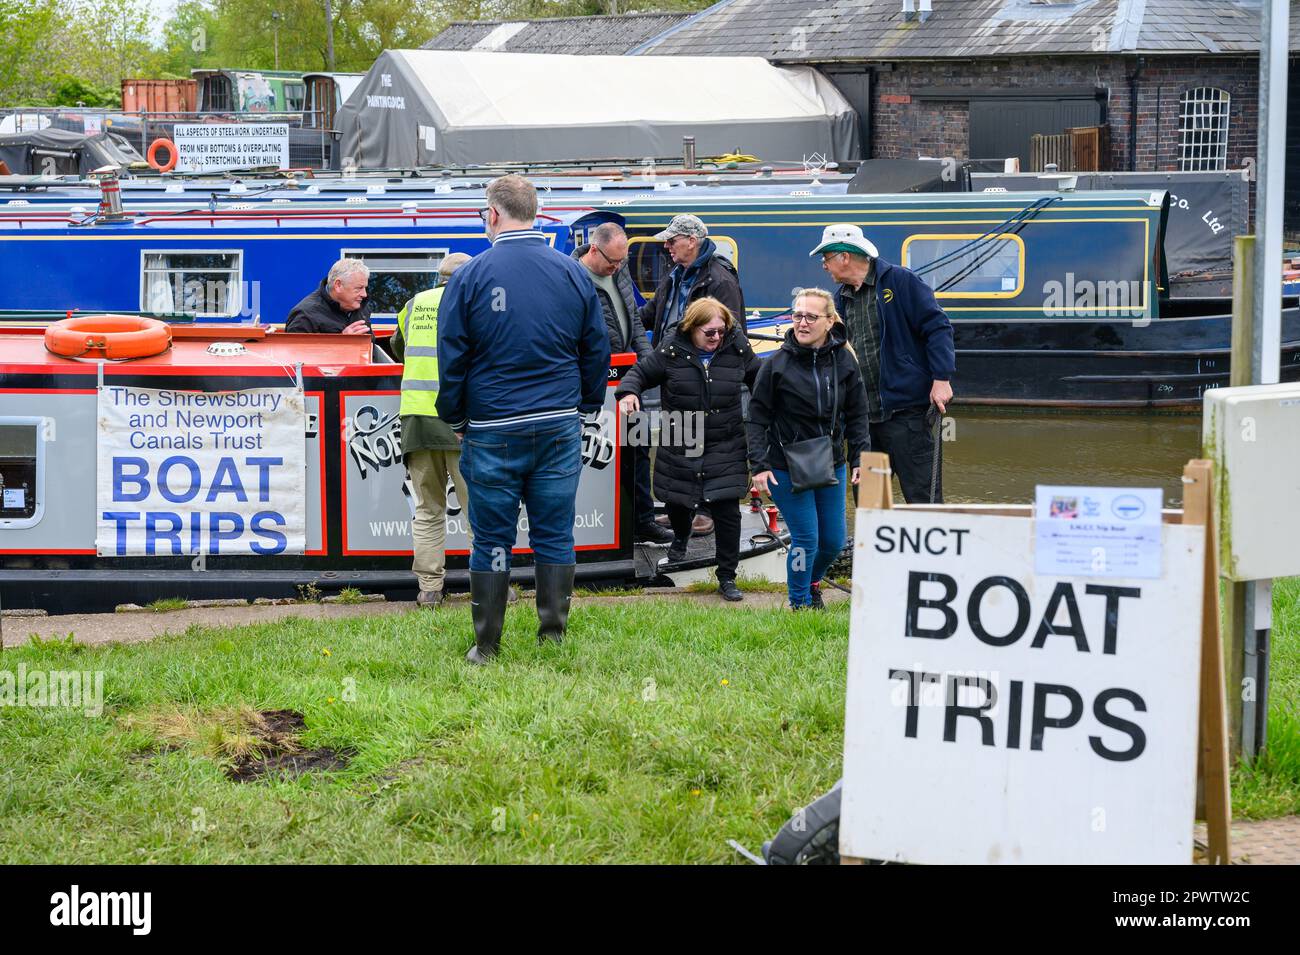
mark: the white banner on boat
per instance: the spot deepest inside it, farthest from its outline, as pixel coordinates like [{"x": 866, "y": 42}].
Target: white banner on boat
[
  {"x": 200, "y": 473},
  {"x": 213, "y": 147}
]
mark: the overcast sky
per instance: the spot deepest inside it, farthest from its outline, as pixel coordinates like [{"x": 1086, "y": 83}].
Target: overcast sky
[{"x": 162, "y": 10}]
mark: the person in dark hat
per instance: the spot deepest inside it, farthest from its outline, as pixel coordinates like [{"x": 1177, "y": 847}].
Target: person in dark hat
[
  {"x": 904, "y": 345},
  {"x": 699, "y": 271}
]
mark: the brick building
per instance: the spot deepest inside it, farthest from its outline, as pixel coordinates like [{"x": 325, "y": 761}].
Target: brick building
[
  {"x": 1173, "y": 83},
  {"x": 977, "y": 78}
]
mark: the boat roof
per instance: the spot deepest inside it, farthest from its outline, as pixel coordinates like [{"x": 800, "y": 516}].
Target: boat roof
[{"x": 354, "y": 213}]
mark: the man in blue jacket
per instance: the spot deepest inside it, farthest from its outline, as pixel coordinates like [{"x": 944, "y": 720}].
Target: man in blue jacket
[
  {"x": 522, "y": 352},
  {"x": 904, "y": 346}
]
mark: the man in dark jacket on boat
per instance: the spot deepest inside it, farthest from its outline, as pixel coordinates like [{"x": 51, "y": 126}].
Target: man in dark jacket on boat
[
  {"x": 338, "y": 305},
  {"x": 605, "y": 259},
  {"x": 699, "y": 270},
  {"x": 904, "y": 346},
  {"x": 522, "y": 353}
]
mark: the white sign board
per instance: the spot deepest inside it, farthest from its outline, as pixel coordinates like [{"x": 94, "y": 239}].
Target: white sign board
[
  {"x": 998, "y": 716},
  {"x": 212, "y": 147},
  {"x": 1100, "y": 531},
  {"x": 192, "y": 472}
]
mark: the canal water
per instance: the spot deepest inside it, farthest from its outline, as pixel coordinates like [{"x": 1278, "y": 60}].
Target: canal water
[{"x": 997, "y": 456}]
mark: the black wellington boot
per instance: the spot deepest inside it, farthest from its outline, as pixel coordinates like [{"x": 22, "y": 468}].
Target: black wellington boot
[
  {"x": 554, "y": 588},
  {"x": 487, "y": 594}
]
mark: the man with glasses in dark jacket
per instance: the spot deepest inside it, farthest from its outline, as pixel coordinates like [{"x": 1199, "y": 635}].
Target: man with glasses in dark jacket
[
  {"x": 605, "y": 260},
  {"x": 522, "y": 354},
  {"x": 904, "y": 345}
]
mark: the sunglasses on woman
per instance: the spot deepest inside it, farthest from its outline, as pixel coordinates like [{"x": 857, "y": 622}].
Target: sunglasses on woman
[{"x": 712, "y": 332}]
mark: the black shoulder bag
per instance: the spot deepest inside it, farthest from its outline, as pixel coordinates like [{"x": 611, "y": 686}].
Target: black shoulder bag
[{"x": 811, "y": 462}]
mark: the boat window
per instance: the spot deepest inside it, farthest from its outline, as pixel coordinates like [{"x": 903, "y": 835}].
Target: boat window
[
  {"x": 396, "y": 275},
  {"x": 22, "y": 471},
  {"x": 295, "y": 95},
  {"x": 206, "y": 283},
  {"x": 218, "y": 93},
  {"x": 968, "y": 264},
  {"x": 649, "y": 262}
]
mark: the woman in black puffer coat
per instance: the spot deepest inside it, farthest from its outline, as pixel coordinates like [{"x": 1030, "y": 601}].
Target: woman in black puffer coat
[{"x": 703, "y": 365}]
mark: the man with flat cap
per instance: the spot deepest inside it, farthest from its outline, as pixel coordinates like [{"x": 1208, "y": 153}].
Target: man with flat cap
[
  {"x": 904, "y": 345},
  {"x": 699, "y": 270}
]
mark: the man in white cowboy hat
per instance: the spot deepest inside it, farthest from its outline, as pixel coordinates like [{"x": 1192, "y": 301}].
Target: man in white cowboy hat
[{"x": 904, "y": 345}]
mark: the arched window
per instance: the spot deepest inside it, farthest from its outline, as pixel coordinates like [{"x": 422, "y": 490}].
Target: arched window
[{"x": 1203, "y": 129}]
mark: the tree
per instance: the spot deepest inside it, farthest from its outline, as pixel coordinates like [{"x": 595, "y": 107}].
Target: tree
[{"x": 27, "y": 30}]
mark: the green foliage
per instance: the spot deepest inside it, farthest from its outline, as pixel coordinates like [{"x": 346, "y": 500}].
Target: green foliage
[
  {"x": 102, "y": 42},
  {"x": 74, "y": 91}
]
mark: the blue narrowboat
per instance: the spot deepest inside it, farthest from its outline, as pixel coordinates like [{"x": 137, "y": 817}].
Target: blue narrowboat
[{"x": 1057, "y": 299}]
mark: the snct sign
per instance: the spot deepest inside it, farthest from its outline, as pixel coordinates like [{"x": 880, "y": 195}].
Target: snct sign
[{"x": 995, "y": 715}]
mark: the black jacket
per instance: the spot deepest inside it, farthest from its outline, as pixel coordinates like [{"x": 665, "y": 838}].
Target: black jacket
[
  {"x": 320, "y": 313},
  {"x": 712, "y": 276},
  {"x": 792, "y": 401},
  {"x": 720, "y": 473},
  {"x": 636, "y": 342}
]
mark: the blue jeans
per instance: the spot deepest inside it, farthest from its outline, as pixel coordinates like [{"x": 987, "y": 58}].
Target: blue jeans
[
  {"x": 538, "y": 465},
  {"x": 817, "y": 531}
]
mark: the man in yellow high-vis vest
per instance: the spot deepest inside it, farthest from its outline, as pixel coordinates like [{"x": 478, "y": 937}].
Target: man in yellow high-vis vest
[{"x": 430, "y": 449}]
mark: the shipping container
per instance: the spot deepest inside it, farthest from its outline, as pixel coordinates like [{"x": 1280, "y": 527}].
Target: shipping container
[{"x": 159, "y": 96}]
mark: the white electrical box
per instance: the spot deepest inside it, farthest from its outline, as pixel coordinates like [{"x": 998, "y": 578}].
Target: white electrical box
[{"x": 1253, "y": 436}]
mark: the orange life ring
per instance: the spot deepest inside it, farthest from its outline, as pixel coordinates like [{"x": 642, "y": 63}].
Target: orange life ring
[
  {"x": 108, "y": 336},
  {"x": 152, "y": 155}
]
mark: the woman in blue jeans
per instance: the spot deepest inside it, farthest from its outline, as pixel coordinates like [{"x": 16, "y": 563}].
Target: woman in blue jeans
[{"x": 810, "y": 387}]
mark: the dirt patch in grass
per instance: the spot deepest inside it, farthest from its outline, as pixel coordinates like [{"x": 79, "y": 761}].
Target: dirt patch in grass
[
  {"x": 251, "y": 744},
  {"x": 290, "y": 764}
]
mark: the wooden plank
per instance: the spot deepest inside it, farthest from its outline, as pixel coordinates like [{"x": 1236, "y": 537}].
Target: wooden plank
[
  {"x": 876, "y": 481},
  {"x": 1198, "y": 508}
]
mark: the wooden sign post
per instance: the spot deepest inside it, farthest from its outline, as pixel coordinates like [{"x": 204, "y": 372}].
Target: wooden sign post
[{"x": 1000, "y": 714}]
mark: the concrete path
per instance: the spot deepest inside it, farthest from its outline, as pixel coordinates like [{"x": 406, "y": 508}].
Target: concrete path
[
  {"x": 1262, "y": 841},
  {"x": 136, "y": 627}
]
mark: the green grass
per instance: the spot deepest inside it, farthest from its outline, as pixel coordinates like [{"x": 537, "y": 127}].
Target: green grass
[
  {"x": 659, "y": 730},
  {"x": 1271, "y": 787},
  {"x": 167, "y": 604},
  {"x": 350, "y": 595}
]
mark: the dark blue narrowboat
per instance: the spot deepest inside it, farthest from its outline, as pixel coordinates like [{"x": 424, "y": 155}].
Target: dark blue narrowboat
[{"x": 1058, "y": 299}]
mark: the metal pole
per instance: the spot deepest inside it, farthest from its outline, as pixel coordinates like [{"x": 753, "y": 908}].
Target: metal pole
[
  {"x": 1251, "y": 616},
  {"x": 1271, "y": 167},
  {"x": 1239, "y": 604}
]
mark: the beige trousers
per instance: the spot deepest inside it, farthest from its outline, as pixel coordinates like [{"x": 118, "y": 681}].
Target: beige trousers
[{"x": 429, "y": 471}]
